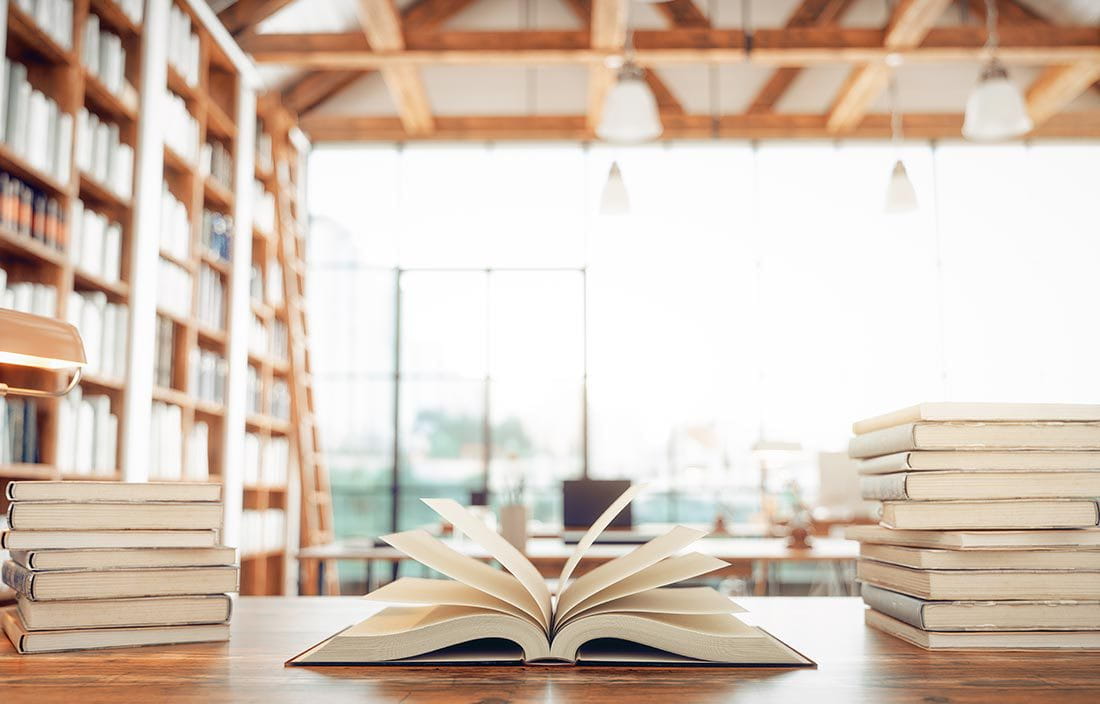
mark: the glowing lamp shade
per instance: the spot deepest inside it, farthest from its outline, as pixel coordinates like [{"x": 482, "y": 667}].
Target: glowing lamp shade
[
  {"x": 42, "y": 343},
  {"x": 901, "y": 197},
  {"x": 995, "y": 109},
  {"x": 630, "y": 111},
  {"x": 614, "y": 200}
]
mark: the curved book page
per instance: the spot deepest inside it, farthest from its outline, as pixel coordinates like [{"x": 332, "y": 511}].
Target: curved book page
[
  {"x": 671, "y": 600},
  {"x": 668, "y": 571},
  {"x": 431, "y": 552},
  {"x": 406, "y": 632},
  {"x": 718, "y": 638},
  {"x": 444, "y": 592},
  {"x": 500, "y": 549},
  {"x": 622, "y": 567},
  {"x": 594, "y": 532}
]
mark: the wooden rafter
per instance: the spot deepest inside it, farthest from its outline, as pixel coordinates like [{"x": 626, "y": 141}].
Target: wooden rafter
[
  {"x": 809, "y": 13},
  {"x": 315, "y": 87},
  {"x": 381, "y": 23},
  {"x": 683, "y": 13},
  {"x": 1033, "y": 44},
  {"x": 244, "y": 15},
  {"x": 910, "y": 23},
  {"x": 1057, "y": 86},
  {"x": 327, "y": 128}
]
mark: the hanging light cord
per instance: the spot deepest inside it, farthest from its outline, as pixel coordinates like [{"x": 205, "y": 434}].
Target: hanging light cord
[
  {"x": 895, "y": 115},
  {"x": 746, "y": 26},
  {"x": 992, "y": 39}
]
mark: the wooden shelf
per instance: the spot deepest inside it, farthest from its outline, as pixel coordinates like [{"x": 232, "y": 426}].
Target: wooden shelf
[
  {"x": 210, "y": 408},
  {"x": 22, "y": 169},
  {"x": 30, "y": 248},
  {"x": 262, "y": 310},
  {"x": 99, "y": 194},
  {"x": 117, "y": 291},
  {"x": 112, "y": 16},
  {"x": 217, "y": 194},
  {"x": 105, "y": 102},
  {"x": 178, "y": 85},
  {"x": 215, "y": 262},
  {"x": 173, "y": 396},
  {"x": 210, "y": 335},
  {"x": 30, "y": 37},
  {"x": 175, "y": 317},
  {"x": 26, "y": 470},
  {"x": 177, "y": 162},
  {"x": 265, "y": 555},
  {"x": 218, "y": 122},
  {"x": 102, "y": 383},
  {"x": 184, "y": 264}
]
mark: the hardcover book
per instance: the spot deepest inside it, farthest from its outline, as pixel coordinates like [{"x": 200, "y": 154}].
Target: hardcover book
[
  {"x": 115, "y": 584},
  {"x": 1061, "y": 615},
  {"x": 114, "y": 492},
  {"x": 975, "y": 436},
  {"x": 27, "y": 642},
  {"x": 985, "y": 460},
  {"x": 984, "y": 640},
  {"x": 87, "y": 559},
  {"x": 991, "y": 515},
  {"x": 977, "y": 539},
  {"x": 623, "y": 611},
  {"x": 948, "y": 411},
  {"x": 969, "y": 585},
  {"x": 979, "y": 486},
  {"x": 107, "y": 539},
  {"x": 933, "y": 559},
  {"x": 117, "y": 613},
  {"x": 43, "y": 515}
]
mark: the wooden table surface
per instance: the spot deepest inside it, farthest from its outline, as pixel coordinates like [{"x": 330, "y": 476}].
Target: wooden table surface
[{"x": 855, "y": 664}]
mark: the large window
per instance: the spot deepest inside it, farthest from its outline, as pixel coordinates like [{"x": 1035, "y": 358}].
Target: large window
[{"x": 477, "y": 324}]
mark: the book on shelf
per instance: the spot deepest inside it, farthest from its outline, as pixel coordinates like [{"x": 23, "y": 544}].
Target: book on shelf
[
  {"x": 90, "y": 559},
  {"x": 106, "y": 539},
  {"x": 211, "y": 310},
  {"x": 95, "y": 242},
  {"x": 928, "y": 615},
  {"x": 166, "y": 442},
  {"x": 180, "y": 128},
  {"x": 982, "y": 584},
  {"x": 54, "y": 585},
  {"x": 102, "y": 154},
  {"x": 262, "y": 531},
  {"x": 990, "y": 515},
  {"x": 978, "y": 539},
  {"x": 28, "y": 296},
  {"x": 19, "y": 431},
  {"x": 217, "y": 234},
  {"x": 124, "y": 613},
  {"x": 985, "y": 640},
  {"x": 979, "y": 486},
  {"x": 175, "y": 226},
  {"x": 115, "y": 492},
  {"x": 87, "y": 435},
  {"x": 147, "y": 515},
  {"x": 27, "y": 642},
  {"x": 198, "y": 453},
  {"x": 954, "y": 411},
  {"x": 274, "y": 469},
  {"x": 254, "y": 390},
  {"x": 986, "y": 460},
  {"x": 263, "y": 208},
  {"x": 103, "y": 326},
  {"x": 619, "y": 612},
  {"x": 35, "y": 127},
  {"x": 103, "y": 54},
  {"x": 940, "y": 559},
  {"x": 208, "y": 372},
  {"x": 183, "y": 46},
  {"x": 217, "y": 162},
  {"x": 31, "y": 212},
  {"x": 173, "y": 288},
  {"x": 976, "y": 436},
  {"x": 54, "y": 17}
]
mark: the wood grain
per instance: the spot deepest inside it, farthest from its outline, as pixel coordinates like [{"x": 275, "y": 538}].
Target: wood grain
[{"x": 855, "y": 664}]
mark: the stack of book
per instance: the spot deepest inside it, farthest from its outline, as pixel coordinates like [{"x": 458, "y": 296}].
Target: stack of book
[
  {"x": 109, "y": 564},
  {"x": 988, "y": 535}
]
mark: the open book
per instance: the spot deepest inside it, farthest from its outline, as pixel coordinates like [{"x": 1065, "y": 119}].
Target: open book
[{"x": 623, "y": 611}]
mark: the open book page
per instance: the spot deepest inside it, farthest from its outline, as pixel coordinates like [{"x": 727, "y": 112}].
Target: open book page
[
  {"x": 500, "y": 549},
  {"x": 431, "y": 552},
  {"x": 669, "y": 571},
  {"x": 444, "y": 592},
  {"x": 622, "y": 567},
  {"x": 673, "y": 600},
  {"x": 594, "y": 532}
]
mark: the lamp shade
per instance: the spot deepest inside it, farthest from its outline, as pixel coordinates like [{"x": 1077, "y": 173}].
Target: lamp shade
[
  {"x": 615, "y": 200},
  {"x": 35, "y": 341},
  {"x": 630, "y": 112},
  {"x": 901, "y": 197},
  {"x": 995, "y": 109}
]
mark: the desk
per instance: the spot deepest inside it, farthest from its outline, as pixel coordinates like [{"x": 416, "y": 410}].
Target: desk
[
  {"x": 855, "y": 664},
  {"x": 754, "y": 558}
]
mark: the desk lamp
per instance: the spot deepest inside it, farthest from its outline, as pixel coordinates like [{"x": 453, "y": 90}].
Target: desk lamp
[{"x": 40, "y": 343}]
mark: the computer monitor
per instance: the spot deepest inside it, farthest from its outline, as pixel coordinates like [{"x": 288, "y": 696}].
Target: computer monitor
[{"x": 583, "y": 500}]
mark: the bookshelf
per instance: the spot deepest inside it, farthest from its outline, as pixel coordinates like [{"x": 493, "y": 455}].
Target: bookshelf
[
  {"x": 151, "y": 83},
  {"x": 270, "y": 495}
]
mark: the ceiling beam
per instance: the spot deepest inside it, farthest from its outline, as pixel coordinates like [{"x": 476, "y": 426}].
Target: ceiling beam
[
  {"x": 910, "y": 23},
  {"x": 311, "y": 89},
  {"x": 809, "y": 13},
  {"x": 1033, "y": 44},
  {"x": 381, "y": 24},
  {"x": 243, "y": 16},
  {"x": 682, "y": 13},
  {"x": 1057, "y": 86},
  {"x": 608, "y": 33},
  {"x": 337, "y": 128}
]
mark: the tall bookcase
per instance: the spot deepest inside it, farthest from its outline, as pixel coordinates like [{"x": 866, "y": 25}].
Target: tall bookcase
[{"x": 181, "y": 94}]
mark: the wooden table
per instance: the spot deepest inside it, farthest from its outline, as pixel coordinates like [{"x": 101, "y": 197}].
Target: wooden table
[
  {"x": 753, "y": 558},
  {"x": 855, "y": 664}
]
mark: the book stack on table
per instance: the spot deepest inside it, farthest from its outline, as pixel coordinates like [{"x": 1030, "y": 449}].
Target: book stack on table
[
  {"x": 988, "y": 538},
  {"x": 109, "y": 564}
]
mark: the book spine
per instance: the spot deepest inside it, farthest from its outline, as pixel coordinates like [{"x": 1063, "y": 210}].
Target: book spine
[
  {"x": 18, "y": 578},
  {"x": 884, "y": 487},
  {"x": 882, "y": 442},
  {"x": 887, "y": 464},
  {"x": 900, "y": 606}
]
